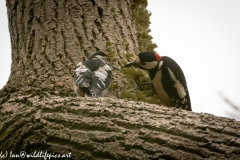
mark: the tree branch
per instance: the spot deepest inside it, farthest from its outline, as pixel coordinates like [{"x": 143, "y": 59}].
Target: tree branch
[{"x": 106, "y": 128}]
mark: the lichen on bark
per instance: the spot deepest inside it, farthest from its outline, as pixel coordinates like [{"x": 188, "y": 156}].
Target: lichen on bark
[{"x": 137, "y": 83}]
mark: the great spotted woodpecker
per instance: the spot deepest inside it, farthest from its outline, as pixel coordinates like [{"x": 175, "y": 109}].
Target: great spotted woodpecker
[
  {"x": 93, "y": 76},
  {"x": 167, "y": 78}
]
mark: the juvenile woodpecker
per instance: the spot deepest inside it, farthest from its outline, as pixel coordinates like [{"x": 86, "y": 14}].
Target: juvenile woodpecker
[
  {"x": 93, "y": 76},
  {"x": 167, "y": 78}
]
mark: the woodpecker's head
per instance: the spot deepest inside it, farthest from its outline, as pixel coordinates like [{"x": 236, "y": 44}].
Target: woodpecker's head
[
  {"x": 104, "y": 57},
  {"x": 100, "y": 54},
  {"x": 145, "y": 60}
]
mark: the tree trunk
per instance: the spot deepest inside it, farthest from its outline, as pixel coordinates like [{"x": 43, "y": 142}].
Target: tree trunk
[
  {"x": 50, "y": 37},
  {"x": 40, "y": 113}
]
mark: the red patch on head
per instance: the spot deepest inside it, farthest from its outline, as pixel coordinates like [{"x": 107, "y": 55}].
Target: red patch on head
[
  {"x": 157, "y": 57},
  {"x": 105, "y": 54}
]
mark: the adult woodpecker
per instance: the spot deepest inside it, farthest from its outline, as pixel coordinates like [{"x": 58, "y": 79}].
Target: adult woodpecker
[
  {"x": 167, "y": 78},
  {"x": 93, "y": 76}
]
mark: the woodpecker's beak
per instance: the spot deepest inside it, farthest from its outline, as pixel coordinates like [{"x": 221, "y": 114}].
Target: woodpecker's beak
[{"x": 131, "y": 64}]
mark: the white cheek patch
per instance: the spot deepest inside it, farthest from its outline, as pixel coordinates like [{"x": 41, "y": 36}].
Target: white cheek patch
[
  {"x": 150, "y": 65},
  {"x": 105, "y": 60},
  {"x": 107, "y": 67},
  {"x": 180, "y": 89}
]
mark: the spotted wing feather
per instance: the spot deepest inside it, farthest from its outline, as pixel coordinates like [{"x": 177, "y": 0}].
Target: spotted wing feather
[{"x": 174, "y": 83}]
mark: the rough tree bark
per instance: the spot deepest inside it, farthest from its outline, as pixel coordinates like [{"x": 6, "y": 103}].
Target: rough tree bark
[
  {"x": 39, "y": 113},
  {"x": 107, "y": 128},
  {"x": 50, "y": 37}
]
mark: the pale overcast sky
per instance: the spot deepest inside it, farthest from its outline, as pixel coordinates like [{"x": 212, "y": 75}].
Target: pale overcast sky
[
  {"x": 5, "y": 55},
  {"x": 203, "y": 37}
]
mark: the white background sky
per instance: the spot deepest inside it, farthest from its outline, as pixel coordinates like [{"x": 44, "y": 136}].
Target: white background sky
[{"x": 202, "y": 36}]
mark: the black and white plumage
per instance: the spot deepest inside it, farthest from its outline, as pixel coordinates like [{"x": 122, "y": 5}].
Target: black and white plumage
[
  {"x": 93, "y": 76},
  {"x": 167, "y": 78}
]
